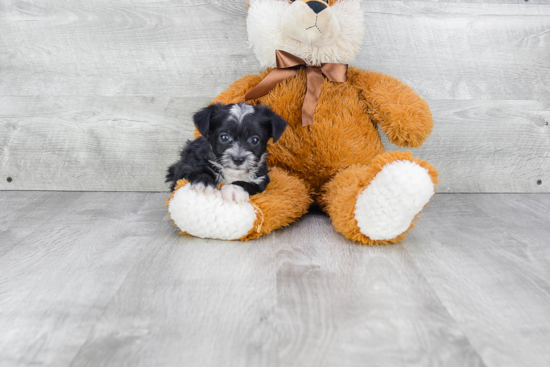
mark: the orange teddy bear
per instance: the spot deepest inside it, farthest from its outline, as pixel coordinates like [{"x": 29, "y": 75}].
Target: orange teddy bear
[{"x": 331, "y": 153}]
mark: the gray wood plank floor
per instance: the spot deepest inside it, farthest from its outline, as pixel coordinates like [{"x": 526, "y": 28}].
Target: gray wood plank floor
[{"x": 103, "y": 279}]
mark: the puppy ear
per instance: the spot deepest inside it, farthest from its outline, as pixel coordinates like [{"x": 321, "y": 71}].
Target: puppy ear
[
  {"x": 278, "y": 124},
  {"x": 203, "y": 118}
]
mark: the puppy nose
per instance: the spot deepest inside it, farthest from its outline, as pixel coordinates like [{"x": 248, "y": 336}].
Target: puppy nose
[
  {"x": 238, "y": 160},
  {"x": 316, "y": 6}
]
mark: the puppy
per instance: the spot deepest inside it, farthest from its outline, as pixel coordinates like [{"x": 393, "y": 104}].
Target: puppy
[{"x": 231, "y": 150}]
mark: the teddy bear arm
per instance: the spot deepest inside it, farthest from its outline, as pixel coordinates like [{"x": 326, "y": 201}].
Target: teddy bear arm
[
  {"x": 208, "y": 215},
  {"x": 401, "y": 113}
]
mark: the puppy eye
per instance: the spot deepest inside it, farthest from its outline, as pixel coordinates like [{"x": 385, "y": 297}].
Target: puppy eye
[
  {"x": 224, "y": 138},
  {"x": 254, "y": 140}
]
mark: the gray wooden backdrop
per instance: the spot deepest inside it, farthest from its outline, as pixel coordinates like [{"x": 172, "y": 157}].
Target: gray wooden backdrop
[{"x": 97, "y": 95}]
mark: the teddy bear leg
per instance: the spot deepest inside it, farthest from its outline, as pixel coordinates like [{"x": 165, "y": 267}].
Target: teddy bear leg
[
  {"x": 377, "y": 203},
  {"x": 208, "y": 215}
]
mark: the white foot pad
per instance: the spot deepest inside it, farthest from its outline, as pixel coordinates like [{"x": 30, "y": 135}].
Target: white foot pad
[
  {"x": 208, "y": 215},
  {"x": 386, "y": 208}
]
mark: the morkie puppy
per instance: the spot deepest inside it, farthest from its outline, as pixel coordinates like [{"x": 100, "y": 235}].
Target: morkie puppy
[{"x": 231, "y": 150}]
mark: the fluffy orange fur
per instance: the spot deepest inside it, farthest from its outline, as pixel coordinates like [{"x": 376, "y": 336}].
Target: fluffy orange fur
[
  {"x": 340, "y": 194},
  {"x": 334, "y": 159},
  {"x": 284, "y": 201},
  {"x": 344, "y": 131}
]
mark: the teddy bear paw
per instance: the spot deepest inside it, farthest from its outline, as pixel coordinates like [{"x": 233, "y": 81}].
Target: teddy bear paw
[
  {"x": 208, "y": 215},
  {"x": 386, "y": 208}
]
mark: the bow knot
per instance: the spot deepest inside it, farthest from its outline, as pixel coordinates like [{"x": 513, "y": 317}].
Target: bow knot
[{"x": 287, "y": 66}]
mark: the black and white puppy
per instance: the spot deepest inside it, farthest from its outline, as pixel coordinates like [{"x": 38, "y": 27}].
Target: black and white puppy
[{"x": 232, "y": 150}]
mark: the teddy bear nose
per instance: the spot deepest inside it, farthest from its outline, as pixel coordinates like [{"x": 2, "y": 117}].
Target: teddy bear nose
[
  {"x": 238, "y": 160},
  {"x": 316, "y": 6}
]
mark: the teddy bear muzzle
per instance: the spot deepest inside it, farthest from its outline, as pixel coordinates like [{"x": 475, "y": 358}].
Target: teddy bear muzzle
[{"x": 312, "y": 22}]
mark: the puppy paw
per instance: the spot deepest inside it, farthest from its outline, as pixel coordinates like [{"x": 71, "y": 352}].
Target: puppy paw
[
  {"x": 234, "y": 193},
  {"x": 203, "y": 188}
]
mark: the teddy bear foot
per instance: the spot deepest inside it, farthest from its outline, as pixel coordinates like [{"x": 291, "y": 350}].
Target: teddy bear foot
[
  {"x": 230, "y": 214},
  {"x": 210, "y": 215},
  {"x": 386, "y": 208},
  {"x": 377, "y": 203}
]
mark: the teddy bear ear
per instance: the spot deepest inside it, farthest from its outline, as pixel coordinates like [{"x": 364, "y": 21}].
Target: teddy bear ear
[{"x": 203, "y": 118}]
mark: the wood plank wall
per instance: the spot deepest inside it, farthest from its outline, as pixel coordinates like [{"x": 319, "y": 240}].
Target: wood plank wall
[{"x": 97, "y": 95}]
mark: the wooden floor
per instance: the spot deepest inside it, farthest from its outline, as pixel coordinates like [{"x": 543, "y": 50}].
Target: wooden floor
[{"x": 103, "y": 279}]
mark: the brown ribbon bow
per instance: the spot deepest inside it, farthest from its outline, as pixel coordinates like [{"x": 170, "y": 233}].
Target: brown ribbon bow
[{"x": 287, "y": 66}]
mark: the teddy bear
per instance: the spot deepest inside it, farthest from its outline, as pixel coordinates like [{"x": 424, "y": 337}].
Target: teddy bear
[{"x": 331, "y": 154}]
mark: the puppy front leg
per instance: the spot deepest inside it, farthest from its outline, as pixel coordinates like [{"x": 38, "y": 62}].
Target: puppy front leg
[
  {"x": 204, "y": 183},
  {"x": 234, "y": 193},
  {"x": 252, "y": 188},
  {"x": 240, "y": 191}
]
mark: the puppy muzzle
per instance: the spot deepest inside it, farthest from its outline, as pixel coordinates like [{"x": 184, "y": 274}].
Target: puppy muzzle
[{"x": 238, "y": 160}]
